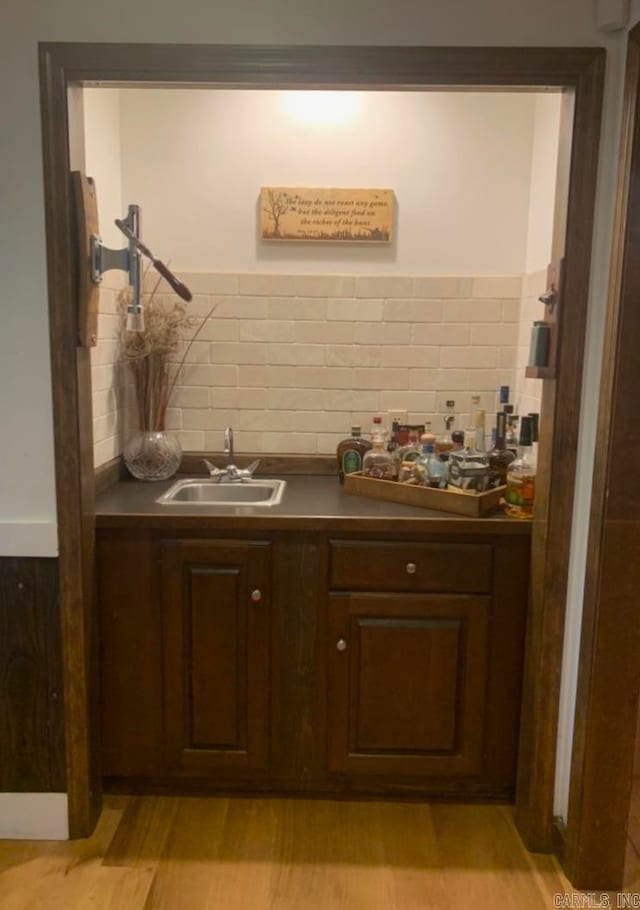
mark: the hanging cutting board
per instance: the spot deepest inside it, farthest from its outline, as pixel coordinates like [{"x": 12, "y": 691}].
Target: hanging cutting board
[{"x": 86, "y": 215}]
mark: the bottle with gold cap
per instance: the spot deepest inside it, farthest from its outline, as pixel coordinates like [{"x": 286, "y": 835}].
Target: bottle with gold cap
[{"x": 350, "y": 453}]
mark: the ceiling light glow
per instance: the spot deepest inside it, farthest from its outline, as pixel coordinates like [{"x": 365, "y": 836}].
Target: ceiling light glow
[{"x": 322, "y": 108}]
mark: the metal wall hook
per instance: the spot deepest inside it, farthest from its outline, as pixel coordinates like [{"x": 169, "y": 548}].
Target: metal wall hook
[{"x": 549, "y": 298}]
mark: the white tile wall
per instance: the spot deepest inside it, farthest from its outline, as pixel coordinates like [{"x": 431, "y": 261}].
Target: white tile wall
[
  {"x": 110, "y": 422},
  {"x": 291, "y": 361}
]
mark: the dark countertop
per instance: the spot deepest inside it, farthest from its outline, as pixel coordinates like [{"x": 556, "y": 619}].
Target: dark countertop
[{"x": 310, "y": 502}]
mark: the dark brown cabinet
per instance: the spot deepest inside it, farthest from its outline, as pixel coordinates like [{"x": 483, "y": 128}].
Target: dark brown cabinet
[
  {"x": 292, "y": 660},
  {"x": 215, "y": 632},
  {"x": 407, "y": 684}
]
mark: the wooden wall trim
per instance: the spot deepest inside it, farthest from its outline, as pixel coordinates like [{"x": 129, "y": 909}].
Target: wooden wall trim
[
  {"x": 278, "y": 66},
  {"x": 32, "y": 754},
  {"x": 71, "y": 387},
  {"x": 558, "y": 451},
  {"x": 580, "y": 69},
  {"x": 608, "y": 687}
]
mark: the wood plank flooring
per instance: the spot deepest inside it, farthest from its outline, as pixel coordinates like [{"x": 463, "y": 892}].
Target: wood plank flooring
[{"x": 171, "y": 853}]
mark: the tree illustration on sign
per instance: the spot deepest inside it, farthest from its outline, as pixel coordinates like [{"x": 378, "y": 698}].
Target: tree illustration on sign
[{"x": 276, "y": 207}]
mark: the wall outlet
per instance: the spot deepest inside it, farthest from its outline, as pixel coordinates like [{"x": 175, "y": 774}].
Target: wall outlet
[{"x": 397, "y": 414}]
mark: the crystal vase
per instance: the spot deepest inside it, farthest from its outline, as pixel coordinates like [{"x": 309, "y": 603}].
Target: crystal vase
[{"x": 152, "y": 455}]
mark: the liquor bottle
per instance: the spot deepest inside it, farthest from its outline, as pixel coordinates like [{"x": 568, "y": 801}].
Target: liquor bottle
[
  {"x": 475, "y": 407},
  {"x": 469, "y": 468},
  {"x": 377, "y": 429},
  {"x": 408, "y": 454},
  {"x": 432, "y": 470},
  {"x": 411, "y": 450},
  {"x": 393, "y": 443},
  {"x": 521, "y": 476},
  {"x": 535, "y": 429},
  {"x": 444, "y": 442},
  {"x": 350, "y": 453},
  {"x": 500, "y": 457},
  {"x": 511, "y": 437},
  {"x": 377, "y": 462},
  {"x": 457, "y": 438},
  {"x": 503, "y": 397},
  {"x": 479, "y": 419}
]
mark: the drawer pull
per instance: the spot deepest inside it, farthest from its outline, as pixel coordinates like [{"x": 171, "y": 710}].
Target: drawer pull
[
  {"x": 341, "y": 644},
  {"x": 411, "y": 568},
  {"x": 256, "y": 595}
]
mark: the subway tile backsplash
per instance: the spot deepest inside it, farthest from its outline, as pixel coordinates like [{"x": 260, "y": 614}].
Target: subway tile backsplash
[{"x": 291, "y": 361}]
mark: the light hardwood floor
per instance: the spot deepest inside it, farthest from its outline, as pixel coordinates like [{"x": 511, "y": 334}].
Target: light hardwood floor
[{"x": 170, "y": 853}]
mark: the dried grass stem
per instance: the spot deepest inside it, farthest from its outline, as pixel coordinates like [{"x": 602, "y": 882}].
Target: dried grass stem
[{"x": 152, "y": 355}]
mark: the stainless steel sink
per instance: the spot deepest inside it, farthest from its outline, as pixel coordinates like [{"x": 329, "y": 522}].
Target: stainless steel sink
[{"x": 209, "y": 493}]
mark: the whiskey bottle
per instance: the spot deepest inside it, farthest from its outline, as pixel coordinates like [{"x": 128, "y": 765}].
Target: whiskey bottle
[
  {"x": 500, "y": 457},
  {"x": 350, "y": 453},
  {"x": 521, "y": 476},
  {"x": 469, "y": 468}
]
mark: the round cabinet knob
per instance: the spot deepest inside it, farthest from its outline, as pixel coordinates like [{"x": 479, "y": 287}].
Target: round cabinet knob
[
  {"x": 341, "y": 644},
  {"x": 411, "y": 568},
  {"x": 256, "y": 595}
]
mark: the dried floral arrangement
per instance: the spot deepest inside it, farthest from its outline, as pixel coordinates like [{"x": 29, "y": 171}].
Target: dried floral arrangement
[{"x": 156, "y": 355}]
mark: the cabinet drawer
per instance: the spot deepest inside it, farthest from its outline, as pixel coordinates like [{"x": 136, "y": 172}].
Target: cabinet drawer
[{"x": 438, "y": 567}]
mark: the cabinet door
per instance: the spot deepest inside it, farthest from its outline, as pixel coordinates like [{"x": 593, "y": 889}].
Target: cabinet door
[
  {"x": 215, "y": 601},
  {"x": 407, "y": 681}
]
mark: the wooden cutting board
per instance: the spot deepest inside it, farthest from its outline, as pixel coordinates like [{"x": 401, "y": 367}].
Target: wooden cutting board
[{"x": 86, "y": 214}]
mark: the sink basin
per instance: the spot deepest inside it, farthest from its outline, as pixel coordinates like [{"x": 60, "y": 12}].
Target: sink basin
[{"x": 209, "y": 493}]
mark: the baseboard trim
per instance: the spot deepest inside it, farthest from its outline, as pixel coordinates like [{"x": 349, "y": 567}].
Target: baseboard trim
[
  {"x": 28, "y": 538},
  {"x": 34, "y": 816}
]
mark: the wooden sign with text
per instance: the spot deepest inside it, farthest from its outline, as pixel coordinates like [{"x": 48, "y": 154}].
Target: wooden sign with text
[{"x": 336, "y": 215}]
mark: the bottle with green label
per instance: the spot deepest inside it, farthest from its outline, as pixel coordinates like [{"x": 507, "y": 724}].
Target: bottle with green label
[{"x": 350, "y": 453}]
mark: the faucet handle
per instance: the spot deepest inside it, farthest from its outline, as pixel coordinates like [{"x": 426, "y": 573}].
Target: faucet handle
[
  {"x": 240, "y": 475},
  {"x": 214, "y": 473}
]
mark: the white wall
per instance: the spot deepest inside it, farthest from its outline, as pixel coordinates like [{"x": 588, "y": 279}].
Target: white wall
[
  {"x": 542, "y": 187},
  {"x": 459, "y": 163},
  {"x": 102, "y": 147},
  {"x": 26, "y": 479},
  {"x": 27, "y": 494}
]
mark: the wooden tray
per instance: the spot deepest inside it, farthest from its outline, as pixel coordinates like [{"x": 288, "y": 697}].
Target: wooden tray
[{"x": 474, "y": 505}]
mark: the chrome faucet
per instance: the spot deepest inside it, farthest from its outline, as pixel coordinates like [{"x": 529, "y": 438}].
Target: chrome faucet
[
  {"x": 230, "y": 474},
  {"x": 228, "y": 444}
]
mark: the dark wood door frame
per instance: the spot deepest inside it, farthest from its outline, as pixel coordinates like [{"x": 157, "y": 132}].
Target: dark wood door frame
[
  {"x": 594, "y": 838},
  {"x": 577, "y": 71}
]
